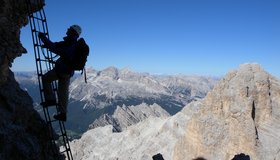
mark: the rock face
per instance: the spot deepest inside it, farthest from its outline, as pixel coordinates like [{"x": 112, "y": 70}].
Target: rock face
[
  {"x": 137, "y": 142},
  {"x": 126, "y": 116},
  {"x": 23, "y": 134},
  {"x": 240, "y": 115}
]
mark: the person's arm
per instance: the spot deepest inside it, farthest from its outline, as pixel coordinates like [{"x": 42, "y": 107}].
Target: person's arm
[
  {"x": 47, "y": 43},
  {"x": 52, "y": 46}
]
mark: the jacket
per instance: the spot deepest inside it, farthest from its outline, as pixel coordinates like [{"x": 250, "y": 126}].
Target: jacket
[{"x": 65, "y": 49}]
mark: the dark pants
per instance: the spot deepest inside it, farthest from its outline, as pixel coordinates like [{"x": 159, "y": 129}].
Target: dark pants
[{"x": 63, "y": 88}]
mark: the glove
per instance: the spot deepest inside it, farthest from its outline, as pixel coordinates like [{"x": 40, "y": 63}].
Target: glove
[{"x": 41, "y": 35}]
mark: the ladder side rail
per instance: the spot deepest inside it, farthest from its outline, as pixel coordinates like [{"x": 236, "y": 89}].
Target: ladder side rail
[
  {"x": 48, "y": 65},
  {"x": 55, "y": 88},
  {"x": 45, "y": 52},
  {"x": 48, "y": 55},
  {"x": 36, "y": 51},
  {"x": 46, "y": 110},
  {"x": 66, "y": 141},
  {"x": 61, "y": 124},
  {"x": 68, "y": 145},
  {"x": 38, "y": 65},
  {"x": 38, "y": 26},
  {"x": 36, "y": 41},
  {"x": 39, "y": 69}
]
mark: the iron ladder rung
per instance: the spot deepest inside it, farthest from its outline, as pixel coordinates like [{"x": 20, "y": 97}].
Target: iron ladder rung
[{"x": 37, "y": 18}]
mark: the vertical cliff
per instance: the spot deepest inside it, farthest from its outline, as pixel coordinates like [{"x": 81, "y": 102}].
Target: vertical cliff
[
  {"x": 23, "y": 134},
  {"x": 240, "y": 115}
]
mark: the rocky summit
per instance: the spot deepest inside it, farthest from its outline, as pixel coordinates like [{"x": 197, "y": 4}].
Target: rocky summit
[{"x": 240, "y": 115}]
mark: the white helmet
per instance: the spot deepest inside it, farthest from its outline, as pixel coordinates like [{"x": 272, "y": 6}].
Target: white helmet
[{"x": 77, "y": 28}]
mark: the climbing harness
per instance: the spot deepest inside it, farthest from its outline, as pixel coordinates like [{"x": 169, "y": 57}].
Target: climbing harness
[{"x": 44, "y": 63}]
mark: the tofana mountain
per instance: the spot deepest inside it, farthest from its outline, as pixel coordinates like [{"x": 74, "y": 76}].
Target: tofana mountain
[
  {"x": 240, "y": 115},
  {"x": 99, "y": 101},
  {"x": 23, "y": 133}
]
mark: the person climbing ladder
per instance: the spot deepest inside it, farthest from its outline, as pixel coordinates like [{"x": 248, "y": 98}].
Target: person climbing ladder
[{"x": 62, "y": 71}]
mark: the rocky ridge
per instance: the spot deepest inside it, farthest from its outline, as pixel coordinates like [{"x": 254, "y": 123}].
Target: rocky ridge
[
  {"x": 129, "y": 115},
  {"x": 137, "y": 142}
]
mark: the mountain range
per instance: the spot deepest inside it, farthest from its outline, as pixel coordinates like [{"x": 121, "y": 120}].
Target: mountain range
[{"x": 112, "y": 88}]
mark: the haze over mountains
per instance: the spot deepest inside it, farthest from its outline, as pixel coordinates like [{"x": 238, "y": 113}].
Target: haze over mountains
[{"x": 113, "y": 88}]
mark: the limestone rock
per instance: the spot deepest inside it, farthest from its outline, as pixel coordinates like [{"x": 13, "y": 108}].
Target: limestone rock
[
  {"x": 23, "y": 134},
  {"x": 240, "y": 115},
  {"x": 129, "y": 115},
  {"x": 137, "y": 142}
]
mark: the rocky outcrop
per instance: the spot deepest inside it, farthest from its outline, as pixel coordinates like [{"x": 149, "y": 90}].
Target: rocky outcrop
[
  {"x": 23, "y": 134},
  {"x": 137, "y": 142},
  {"x": 240, "y": 115},
  {"x": 129, "y": 115}
]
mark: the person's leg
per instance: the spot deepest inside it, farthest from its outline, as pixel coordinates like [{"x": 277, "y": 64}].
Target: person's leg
[
  {"x": 63, "y": 92},
  {"x": 49, "y": 95},
  {"x": 63, "y": 95}
]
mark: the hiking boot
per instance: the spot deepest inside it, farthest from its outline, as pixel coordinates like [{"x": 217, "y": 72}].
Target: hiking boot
[
  {"x": 48, "y": 103},
  {"x": 60, "y": 117}
]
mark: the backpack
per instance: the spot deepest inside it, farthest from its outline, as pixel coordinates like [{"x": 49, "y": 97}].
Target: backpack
[{"x": 80, "y": 55}]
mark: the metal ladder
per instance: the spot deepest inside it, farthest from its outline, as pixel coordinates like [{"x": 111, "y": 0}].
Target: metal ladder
[{"x": 44, "y": 62}]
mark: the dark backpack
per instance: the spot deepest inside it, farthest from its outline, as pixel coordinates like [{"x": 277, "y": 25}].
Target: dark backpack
[{"x": 80, "y": 55}]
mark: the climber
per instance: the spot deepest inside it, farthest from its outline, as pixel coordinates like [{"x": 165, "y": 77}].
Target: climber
[{"x": 61, "y": 72}]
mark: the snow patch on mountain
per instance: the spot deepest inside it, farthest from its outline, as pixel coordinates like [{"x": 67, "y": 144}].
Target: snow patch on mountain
[{"x": 113, "y": 85}]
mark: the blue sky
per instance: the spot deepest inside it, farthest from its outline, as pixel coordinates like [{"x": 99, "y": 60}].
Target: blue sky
[{"x": 204, "y": 37}]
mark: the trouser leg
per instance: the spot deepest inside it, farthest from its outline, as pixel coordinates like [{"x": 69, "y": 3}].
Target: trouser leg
[
  {"x": 63, "y": 92},
  {"x": 47, "y": 80}
]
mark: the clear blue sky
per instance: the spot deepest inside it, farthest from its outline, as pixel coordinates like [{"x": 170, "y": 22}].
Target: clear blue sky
[{"x": 204, "y": 37}]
